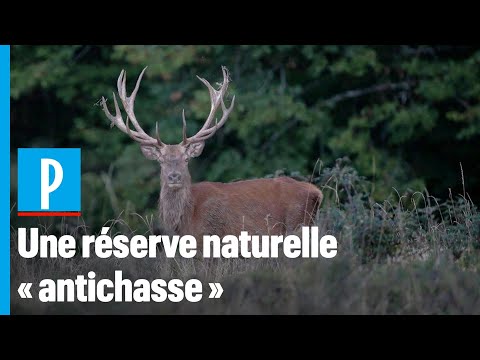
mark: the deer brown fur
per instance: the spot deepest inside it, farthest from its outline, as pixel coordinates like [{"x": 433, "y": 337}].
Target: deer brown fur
[{"x": 261, "y": 206}]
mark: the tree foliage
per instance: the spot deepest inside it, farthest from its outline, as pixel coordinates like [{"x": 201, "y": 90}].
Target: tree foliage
[{"x": 406, "y": 115}]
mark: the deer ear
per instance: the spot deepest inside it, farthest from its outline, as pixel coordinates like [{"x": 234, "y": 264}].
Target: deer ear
[
  {"x": 151, "y": 152},
  {"x": 195, "y": 149}
]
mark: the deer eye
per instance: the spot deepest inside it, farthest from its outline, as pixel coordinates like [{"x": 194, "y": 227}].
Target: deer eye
[{"x": 186, "y": 159}]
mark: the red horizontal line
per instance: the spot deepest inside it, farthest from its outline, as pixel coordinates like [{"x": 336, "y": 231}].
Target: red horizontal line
[{"x": 49, "y": 213}]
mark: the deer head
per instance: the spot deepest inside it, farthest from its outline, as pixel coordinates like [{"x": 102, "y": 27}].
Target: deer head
[{"x": 174, "y": 158}]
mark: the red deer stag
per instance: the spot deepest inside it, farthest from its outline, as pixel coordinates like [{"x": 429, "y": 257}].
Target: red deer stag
[{"x": 261, "y": 206}]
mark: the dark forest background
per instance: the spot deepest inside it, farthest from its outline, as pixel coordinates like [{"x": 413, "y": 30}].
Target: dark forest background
[
  {"x": 390, "y": 134},
  {"x": 406, "y": 116}
]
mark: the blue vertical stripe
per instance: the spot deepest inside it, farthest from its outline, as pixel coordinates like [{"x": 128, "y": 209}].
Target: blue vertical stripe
[{"x": 5, "y": 180}]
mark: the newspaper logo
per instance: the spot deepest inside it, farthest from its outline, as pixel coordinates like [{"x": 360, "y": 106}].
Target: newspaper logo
[{"x": 49, "y": 182}]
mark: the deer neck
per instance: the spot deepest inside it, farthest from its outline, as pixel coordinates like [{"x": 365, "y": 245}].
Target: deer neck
[{"x": 175, "y": 208}]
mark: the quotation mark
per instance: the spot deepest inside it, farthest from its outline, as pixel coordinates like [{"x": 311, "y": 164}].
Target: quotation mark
[
  {"x": 24, "y": 290},
  {"x": 217, "y": 290}
]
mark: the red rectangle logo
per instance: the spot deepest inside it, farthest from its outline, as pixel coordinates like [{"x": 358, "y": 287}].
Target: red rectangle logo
[{"x": 49, "y": 213}]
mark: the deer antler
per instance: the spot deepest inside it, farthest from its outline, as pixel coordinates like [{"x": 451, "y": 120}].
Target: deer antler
[
  {"x": 216, "y": 98},
  {"x": 139, "y": 135}
]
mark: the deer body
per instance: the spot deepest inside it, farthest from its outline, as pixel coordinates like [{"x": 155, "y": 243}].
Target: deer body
[{"x": 262, "y": 206}]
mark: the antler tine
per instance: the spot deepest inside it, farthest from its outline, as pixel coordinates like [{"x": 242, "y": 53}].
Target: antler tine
[
  {"x": 119, "y": 84},
  {"x": 118, "y": 121},
  {"x": 128, "y": 103},
  {"x": 212, "y": 130},
  {"x": 137, "y": 85},
  {"x": 160, "y": 143},
  {"x": 137, "y": 137},
  {"x": 112, "y": 118},
  {"x": 216, "y": 97},
  {"x": 184, "y": 128}
]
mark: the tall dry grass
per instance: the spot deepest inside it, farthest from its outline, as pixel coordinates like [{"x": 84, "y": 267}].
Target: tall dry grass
[{"x": 411, "y": 254}]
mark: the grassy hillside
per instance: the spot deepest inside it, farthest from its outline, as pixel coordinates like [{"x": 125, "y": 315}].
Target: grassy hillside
[{"x": 407, "y": 255}]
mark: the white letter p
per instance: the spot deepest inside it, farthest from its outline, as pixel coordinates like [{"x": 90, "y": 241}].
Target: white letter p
[{"x": 45, "y": 187}]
